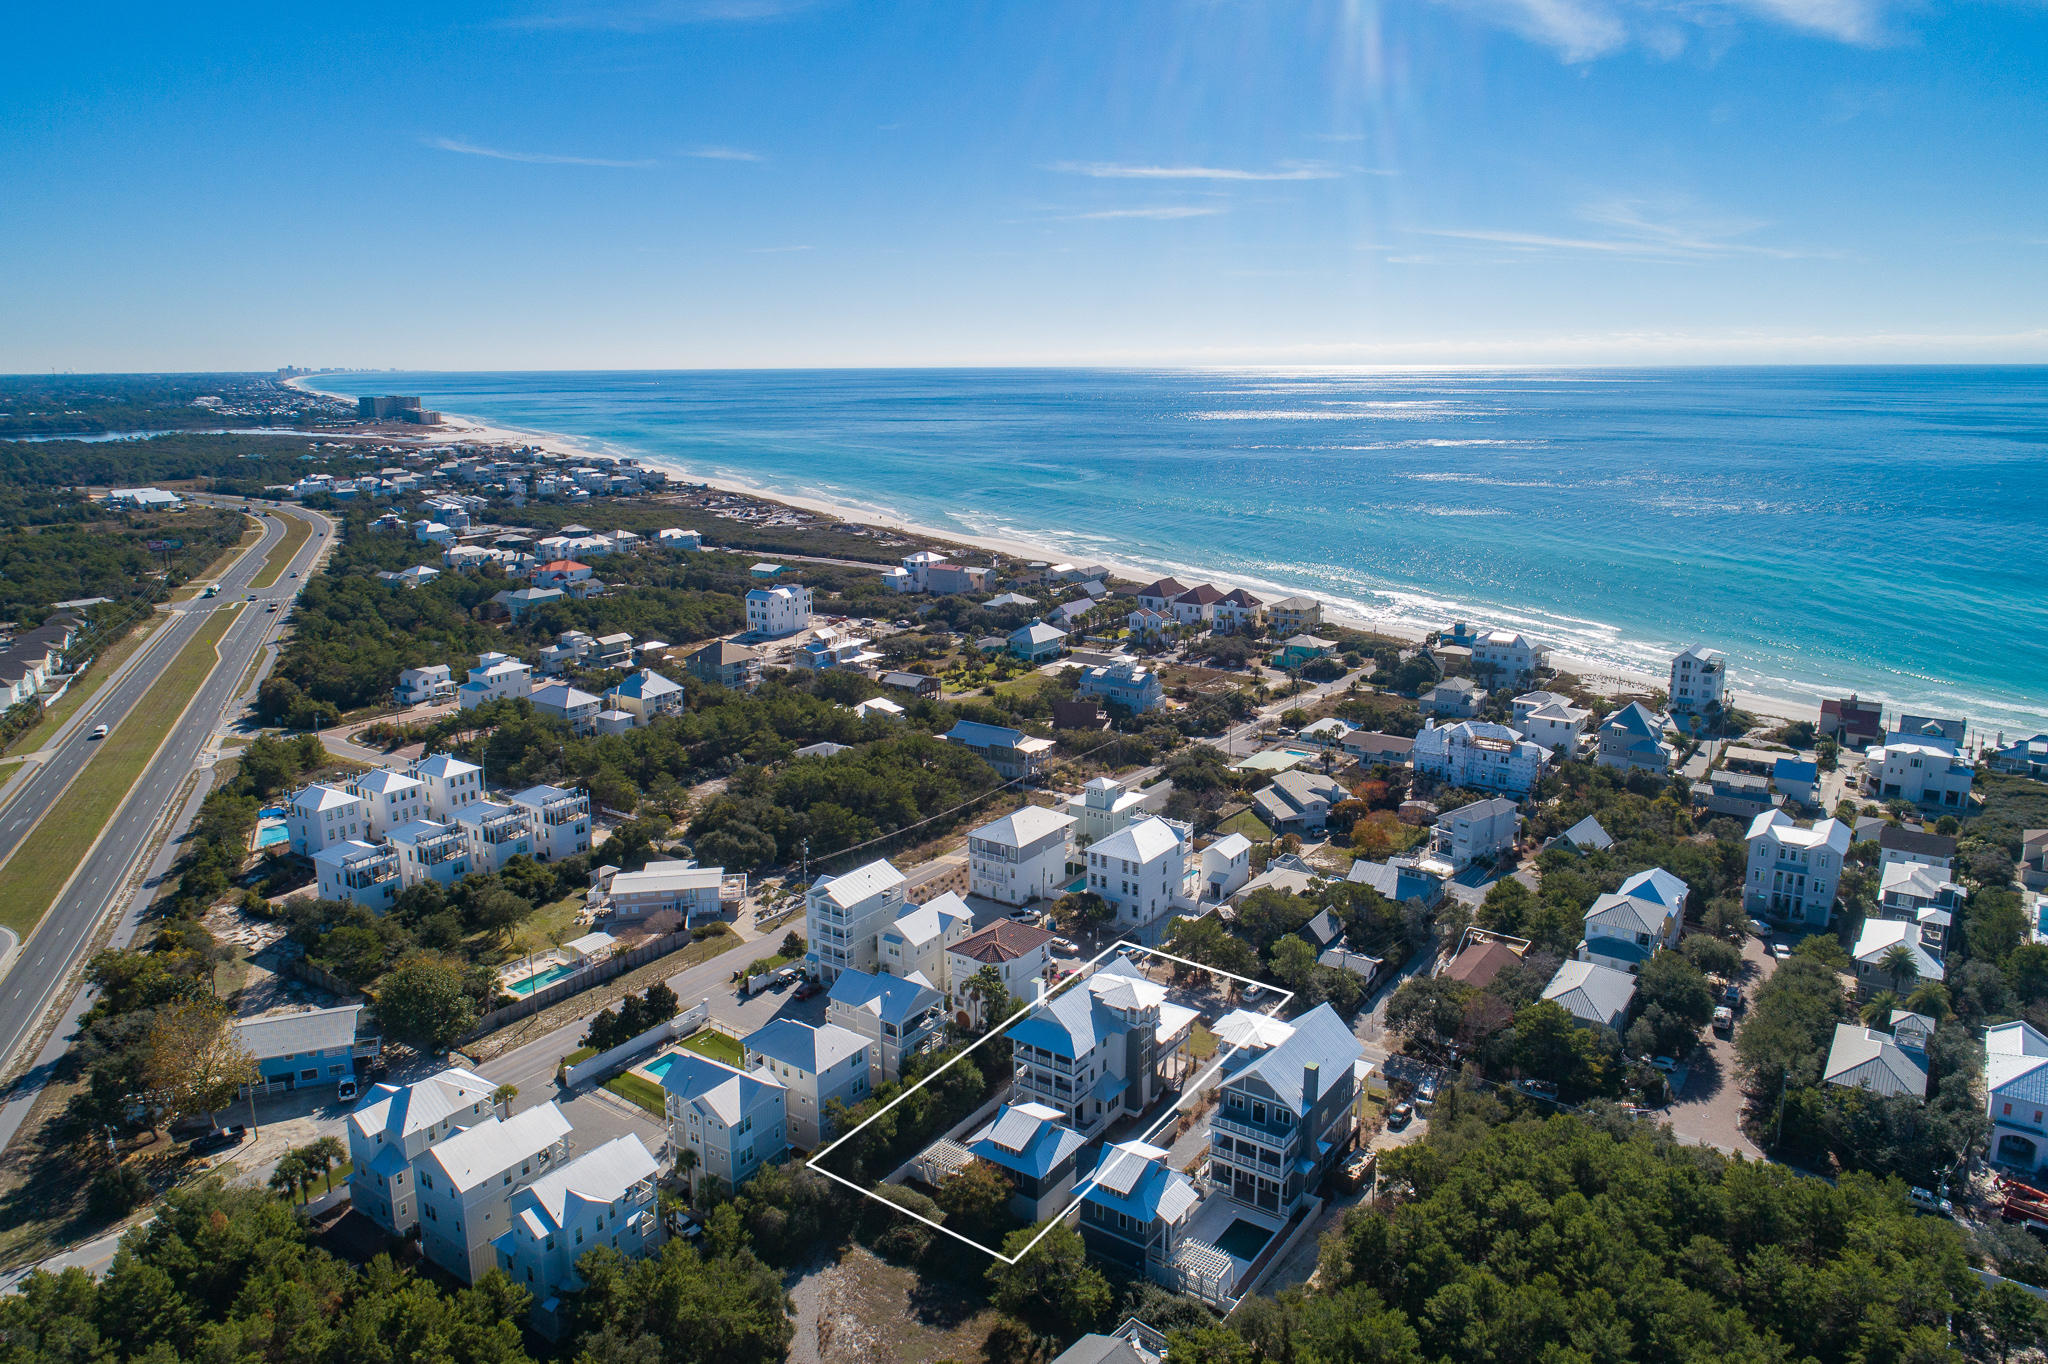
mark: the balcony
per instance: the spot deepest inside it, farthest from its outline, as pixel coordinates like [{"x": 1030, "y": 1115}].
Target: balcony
[
  {"x": 1250, "y": 1132},
  {"x": 432, "y": 852},
  {"x": 564, "y": 810},
  {"x": 503, "y": 828}
]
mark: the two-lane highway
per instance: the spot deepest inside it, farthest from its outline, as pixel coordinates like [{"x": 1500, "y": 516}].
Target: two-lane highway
[{"x": 67, "y": 931}]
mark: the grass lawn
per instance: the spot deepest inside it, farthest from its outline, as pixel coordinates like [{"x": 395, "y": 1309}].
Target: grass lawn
[
  {"x": 1029, "y": 685},
  {"x": 1202, "y": 1043},
  {"x": 295, "y": 533},
  {"x": 578, "y": 1056},
  {"x": 1246, "y": 823},
  {"x": 538, "y": 931},
  {"x": 716, "y": 1045},
  {"x": 640, "y": 1090},
  {"x": 250, "y": 536},
  {"x": 7, "y": 769},
  {"x": 45, "y": 861}
]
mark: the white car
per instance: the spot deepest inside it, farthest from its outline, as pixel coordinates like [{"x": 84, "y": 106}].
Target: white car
[{"x": 98, "y": 732}]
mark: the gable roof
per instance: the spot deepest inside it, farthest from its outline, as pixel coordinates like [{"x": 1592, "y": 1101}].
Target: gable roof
[
  {"x": 1637, "y": 720},
  {"x": 1320, "y": 1039},
  {"x": 1587, "y": 834},
  {"x": 919, "y": 924},
  {"x": 1135, "y": 1179},
  {"x": 1591, "y": 992},
  {"x": 494, "y": 1146},
  {"x": 1865, "y": 1058},
  {"x": 401, "y": 1110},
  {"x": 2016, "y": 1061},
  {"x": 1879, "y": 936},
  {"x": 893, "y": 999},
  {"x": 1898, "y": 838},
  {"x": 811, "y": 1050},
  {"x": 1028, "y": 1138},
  {"x": 860, "y": 884},
  {"x": 599, "y": 1176},
  {"x": 716, "y": 1088}
]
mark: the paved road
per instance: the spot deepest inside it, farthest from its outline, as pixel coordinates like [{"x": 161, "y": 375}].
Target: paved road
[{"x": 67, "y": 930}]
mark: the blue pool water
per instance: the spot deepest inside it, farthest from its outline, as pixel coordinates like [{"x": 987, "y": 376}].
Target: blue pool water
[
  {"x": 271, "y": 812},
  {"x": 659, "y": 1066},
  {"x": 1867, "y": 528},
  {"x": 270, "y": 835},
  {"x": 541, "y": 979}
]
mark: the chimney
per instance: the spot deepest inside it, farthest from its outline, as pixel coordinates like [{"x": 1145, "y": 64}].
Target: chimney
[{"x": 1311, "y": 1085}]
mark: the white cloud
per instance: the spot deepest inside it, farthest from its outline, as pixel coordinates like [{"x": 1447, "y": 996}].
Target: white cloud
[
  {"x": 723, "y": 154},
  {"x": 1582, "y": 30},
  {"x": 456, "y": 144},
  {"x": 1638, "y": 229},
  {"x": 1156, "y": 211},
  {"x": 777, "y": 250},
  {"x": 1117, "y": 170}
]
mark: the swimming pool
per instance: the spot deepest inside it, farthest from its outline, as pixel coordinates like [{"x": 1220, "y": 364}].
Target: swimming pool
[
  {"x": 271, "y": 812},
  {"x": 541, "y": 979},
  {"x": 270, "y": 835},
  {"x": 660, "y": 1065}
]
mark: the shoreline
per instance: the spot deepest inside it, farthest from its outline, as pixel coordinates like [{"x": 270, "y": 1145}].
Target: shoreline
[{"x": 1598, "y": 675}]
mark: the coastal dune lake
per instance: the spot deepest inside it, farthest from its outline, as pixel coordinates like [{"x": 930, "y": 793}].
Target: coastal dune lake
[{"x": 1874, "y": 529}]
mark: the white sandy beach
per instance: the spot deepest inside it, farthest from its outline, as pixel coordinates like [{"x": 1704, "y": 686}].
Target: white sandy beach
[{"x": 1602, "y": 677}]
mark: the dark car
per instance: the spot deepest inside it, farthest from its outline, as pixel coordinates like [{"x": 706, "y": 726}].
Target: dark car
[
  {"x": 809, "y": 989},
  {"x": 220, "y": 1139},
  {"x": 1403, "y": 1113}
]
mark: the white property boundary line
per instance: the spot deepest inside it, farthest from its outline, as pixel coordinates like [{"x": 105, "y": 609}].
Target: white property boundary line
[{"x": 1188, "y": 1092}]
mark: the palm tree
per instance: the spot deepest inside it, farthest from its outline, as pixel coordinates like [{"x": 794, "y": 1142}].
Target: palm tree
[
  {"x": 1931, "y": 998},
  {"x": 1897, "y": 962},
  {"x": 292, "y": 1174},
  {"x": 327, "y": 1152},
  {"x": 1878, "y": 1011},
  {"x": 502, "y": 1098},
  {"x": 686, "y": 1162}
]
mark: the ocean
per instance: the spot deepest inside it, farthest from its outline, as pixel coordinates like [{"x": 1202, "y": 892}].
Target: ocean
[{"x": 1877, "y": 530}]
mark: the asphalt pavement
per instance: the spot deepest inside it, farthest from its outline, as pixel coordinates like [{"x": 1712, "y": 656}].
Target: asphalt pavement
[{"x": 43, "y": 970}]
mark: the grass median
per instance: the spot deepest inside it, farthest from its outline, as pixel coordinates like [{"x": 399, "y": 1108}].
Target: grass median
[
  {"x": 295, "y": 532},
  {"x": 31, "y": 879}
]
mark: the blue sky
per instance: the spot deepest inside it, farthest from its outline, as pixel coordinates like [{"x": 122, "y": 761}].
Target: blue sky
[{"x": 681, "y": 183}]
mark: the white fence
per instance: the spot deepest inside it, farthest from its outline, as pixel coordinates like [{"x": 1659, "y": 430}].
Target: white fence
[{"x": 682, "y": 1025}]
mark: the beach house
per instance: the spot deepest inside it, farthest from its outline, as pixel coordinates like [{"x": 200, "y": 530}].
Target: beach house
[
  {"x": 899, "y": 1017},
  {"x": 1011, "y": 752},
  {"x": 1632, "y": 740},
  {"x": 816, "y": 1066},
  {"x": 321, "y": 816},
  {"x": 430, "y": 850},
  {"x": 571, "y": 705},
  {"x": 680, "y": 887},
  {"x": 1294, "y": 615},
  {"x": 1793, "y": 869},
  {"x": 561, "y": 821},
  {"x": 1021, "y": 857},
  {"x": 1102, "y": 1047},
  {"x": 1298, "y": 802},
  {"x": 1284, "y": 1120},
  {"x": 393, "y": 1126},
  {"x": 1625, "y": 928},
  {"x": 1135, "y": 1209},
  {"x": 1549, "y": 719},
  {"x": 1479, "y": 755},
  {"x": 844, "y": 917},
  {"x": 496, "y": 677},
  {"x": 1038, "y": 642},
  {"x": 1160, "y": 596},
  {"x": 451, "y": 783},
  {"x": 1506, "y": 657},
  {"x": 1596, "y": 995},
  {"x": 731, "y": 1121},
  {"x": 306, "y": 1049},
  {"x": 1238, "y": 612},
  {"x": 729, "y": 665},
  {"x": 604, "y": 1197},
  {"x": 1226, "y": 865},
  {"x": 359, "y": 873},
  {"x": 2016, "y": 1095},
  {"x": 389, "y": 799},
  {"x": 1923, "y": 770},
  {"x": 1886, "y": 1064},
  {"x": 467, "y": 1181},
  {"x": 916, "y": 943},
  {"x": 1699, "y": 682},
  {"x": 1454, "y": 698},
  {"x": 1029, "y": 1144},
  {"x": 418, "y": 686},
  {"x": 1103, "y": 806},
  {"x": 1127, "y": 683},
  {"x": 1019, "y": 953},
  {"x": 773, "y": 612},
  {"x": 647, "y": 696},
  {"x": 1478, "y": 832},
  {"x": 1143, "y": 871}
]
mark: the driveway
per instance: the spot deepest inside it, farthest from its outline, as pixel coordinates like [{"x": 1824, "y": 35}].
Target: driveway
[{"x": 1710, "y": 1111}]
